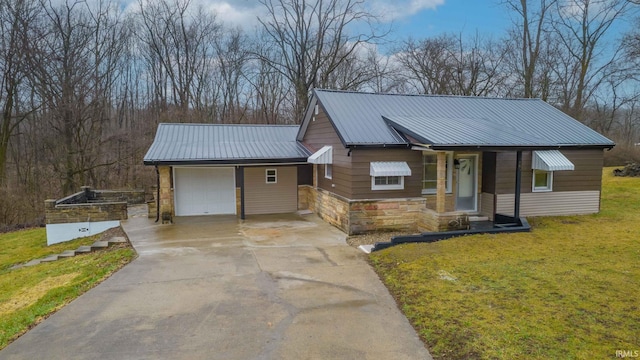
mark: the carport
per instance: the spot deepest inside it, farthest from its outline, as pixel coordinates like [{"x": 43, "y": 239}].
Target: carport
[{"x": 212, "y": 169}]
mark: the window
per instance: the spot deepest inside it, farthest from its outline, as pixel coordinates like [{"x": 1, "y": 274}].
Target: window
[
  {"x": 271, "y": 176},
  {"x": 387, "y": 182},
  {"x": 328, "y": 171},
  {"x": 542, "y": 180},
  {"x": 430, "y": 172}
]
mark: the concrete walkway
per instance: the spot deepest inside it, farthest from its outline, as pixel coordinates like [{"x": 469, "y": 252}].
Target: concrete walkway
[{"x": 271, "y": 287}]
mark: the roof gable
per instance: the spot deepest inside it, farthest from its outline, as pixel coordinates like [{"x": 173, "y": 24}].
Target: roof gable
[{"x": 359, "y": 118}]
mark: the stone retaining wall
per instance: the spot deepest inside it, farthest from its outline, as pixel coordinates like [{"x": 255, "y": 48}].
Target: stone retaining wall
[{"x": 75, "y": 213}]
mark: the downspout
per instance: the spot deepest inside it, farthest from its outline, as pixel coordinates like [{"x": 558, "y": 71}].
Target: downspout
[
  {"x": 516, "y": 205},
  {"x": 157, "y": 194}
]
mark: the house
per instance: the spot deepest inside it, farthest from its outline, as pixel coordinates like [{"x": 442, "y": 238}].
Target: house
[{"x": 366, "y": 162}]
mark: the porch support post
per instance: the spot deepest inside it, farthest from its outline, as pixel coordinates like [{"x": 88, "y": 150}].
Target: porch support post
[
  {"x": 441, "y": 184},
  {"x": 241, "y": 176},
  {"x": 516, "y": 205}
]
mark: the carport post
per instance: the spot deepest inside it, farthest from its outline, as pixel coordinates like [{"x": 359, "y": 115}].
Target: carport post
[
  {"x": 516, "y": 205},
  {"x": 241, "y": 175}
]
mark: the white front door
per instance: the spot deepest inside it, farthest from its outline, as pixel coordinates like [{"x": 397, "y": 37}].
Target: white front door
[
  {"x": 467, "y": 189},
  {"x": 204, "y": 191}
]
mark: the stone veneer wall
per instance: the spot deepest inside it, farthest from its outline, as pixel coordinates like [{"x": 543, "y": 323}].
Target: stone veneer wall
[
  {"x": 166, "y": 193},
  {"x": 76, "y": 213},
  {"x": 128, "y": 196},
  {"x": 385, "y": 215},
  {"x": 304, "y": 192},
  {"x": 330, "y": 207},
  {"x": 431, "y": 221}
]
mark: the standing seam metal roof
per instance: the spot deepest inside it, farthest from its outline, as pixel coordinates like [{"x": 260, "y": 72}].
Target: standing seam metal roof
[
  {"x": 214, "y": 142},
  {"x": 358, "y": 117}
]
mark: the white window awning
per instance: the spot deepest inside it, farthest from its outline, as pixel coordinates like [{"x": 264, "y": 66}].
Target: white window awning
[
  {"x": 389, "y": 168},
  {"x": 322, "y": 156},
  {"x": 551, "y": 160}
]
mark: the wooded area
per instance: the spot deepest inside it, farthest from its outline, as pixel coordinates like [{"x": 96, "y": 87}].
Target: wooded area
[{"x": 84, "y": 84}]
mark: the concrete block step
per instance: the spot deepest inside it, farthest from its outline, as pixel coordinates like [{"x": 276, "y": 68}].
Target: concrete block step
[
  {"x": 83, "y": 249},
  {"x": 478, "y": 218},
  {"x": 99, "y": 245},
  {"x": 67, "y": 254},
  {"x": 117, "y": 240},
  {"x": 49, "y": 258},
  {"x": 33, "y": 262}
]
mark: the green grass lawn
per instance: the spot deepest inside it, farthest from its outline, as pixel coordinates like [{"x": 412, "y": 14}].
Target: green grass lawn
[
  {"x": 29, "y": 294},
  {"x": 570, "y": 289}
]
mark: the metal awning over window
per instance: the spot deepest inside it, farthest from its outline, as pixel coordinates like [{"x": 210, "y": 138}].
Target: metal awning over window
[
  {"x": 551, "y": 160},
  {"x": 322, "y": 156},
  {"x": 389, "y": 168}
]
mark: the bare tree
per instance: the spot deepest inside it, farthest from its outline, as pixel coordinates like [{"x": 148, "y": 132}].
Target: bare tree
[
  {"x": 73, "y": 52},
  {"x": 313, "y": 40},
  {"x": 429, "y": 64},
  {"x": 582, "y": 27},
  {"x": 177, "y": 42},
  {"x": 529, "y": 34},
  {"x": 15, "y": 15}
]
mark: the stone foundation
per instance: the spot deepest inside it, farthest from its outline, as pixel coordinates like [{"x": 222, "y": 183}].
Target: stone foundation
[
  {"x": 166, "y": 193},
  {"x": 431, "y": 221},
  {"x": 384, "y": 215},
  {"x": 330, "y": 207},
  {"x": 304, "y": 192}
]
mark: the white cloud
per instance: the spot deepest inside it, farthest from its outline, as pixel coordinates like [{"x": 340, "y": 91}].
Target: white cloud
[
  {"x": 244, "y": 13},
  {"x": 390, "y": 10}
]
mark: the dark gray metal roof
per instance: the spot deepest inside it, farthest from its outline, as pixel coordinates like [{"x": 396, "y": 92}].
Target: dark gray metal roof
[
  {"x": 462, "y": 132},
  {"x": 358, "y": 118},
  {"x": 213, "y": 143}
]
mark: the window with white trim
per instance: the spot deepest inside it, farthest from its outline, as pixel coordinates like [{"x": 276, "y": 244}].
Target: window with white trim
[
  {"x": 271, "y": 176},
  {"x": 430, "y": 172},
  {"x": 328, "y": 171},
  {"x": 542, "y": 180},
  {"x": 387, "y": 182}
]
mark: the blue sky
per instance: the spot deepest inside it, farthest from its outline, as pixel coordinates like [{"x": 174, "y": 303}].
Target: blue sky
[{"x": 486, "y": 17}]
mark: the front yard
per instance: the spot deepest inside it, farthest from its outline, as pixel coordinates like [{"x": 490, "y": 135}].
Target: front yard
[{"x": 569, "y": 289}]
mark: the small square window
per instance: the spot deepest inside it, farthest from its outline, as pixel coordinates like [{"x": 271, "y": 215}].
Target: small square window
[
  {"x": 271, "y": 176},
  {"x": 387, "y": 182},
  {"x": 542, "y": 180},
  {"x": 328, "y": 171}
]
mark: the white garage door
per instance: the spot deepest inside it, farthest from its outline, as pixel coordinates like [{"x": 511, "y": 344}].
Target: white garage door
[{"x": 204, "y": 191}]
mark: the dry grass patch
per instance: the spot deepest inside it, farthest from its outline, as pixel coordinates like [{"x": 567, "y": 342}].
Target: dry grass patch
[{"x": 567, "y": 290}]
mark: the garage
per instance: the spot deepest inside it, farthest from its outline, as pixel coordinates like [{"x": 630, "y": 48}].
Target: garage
[
  {"x": 215, "y": 169},
  {"x": 204, "y": 191},
  {"x": 270, "y": 190}
]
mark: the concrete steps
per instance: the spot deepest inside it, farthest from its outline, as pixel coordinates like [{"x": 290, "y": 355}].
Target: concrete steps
[{"x": 85, "y": 249}]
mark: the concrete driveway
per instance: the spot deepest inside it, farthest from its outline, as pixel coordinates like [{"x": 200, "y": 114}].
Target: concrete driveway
[{"x": 270, "y": 287}]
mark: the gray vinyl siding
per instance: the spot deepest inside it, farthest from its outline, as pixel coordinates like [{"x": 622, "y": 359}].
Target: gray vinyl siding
[
  {"x": 361, "y": 178},
  {"x": 263, "y": 198},
  {"x": 486, "y": 205},
  {"x": 551, "y": 203},
  {"x": 320, "y": 133}
]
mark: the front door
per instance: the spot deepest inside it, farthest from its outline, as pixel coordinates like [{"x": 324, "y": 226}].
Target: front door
[{"x": 467, "y": 189}]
